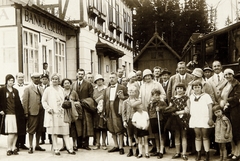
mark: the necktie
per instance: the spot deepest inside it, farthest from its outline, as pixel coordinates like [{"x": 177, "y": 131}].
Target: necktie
[
  {"x": 218, "y": 78},
  {"x": 20, "y": 85},
  {"x": 39, "y": 92}
]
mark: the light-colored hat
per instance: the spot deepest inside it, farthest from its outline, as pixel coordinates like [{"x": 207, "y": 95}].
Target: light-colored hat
[
  {"x": 228, "y": 70},
  {"x": 147, "y": 72},
  {"x": 131, "y": 74},
  {"x": 97, "y": 77},
  {"x": 36, "y": 75},
  {"x": 198, "y": 72}
]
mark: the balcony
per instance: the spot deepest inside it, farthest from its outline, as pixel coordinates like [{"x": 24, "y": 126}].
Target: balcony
[
  {"x": 112, "y": 26},
  {"x": 119, "y": 30},
  {"x": 101, "y": 17},
  {"x": 93, "y": 12}
]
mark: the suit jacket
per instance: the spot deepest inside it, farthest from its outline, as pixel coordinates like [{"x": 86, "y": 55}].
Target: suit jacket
[
  {"x": 19, "y": 112},
  {"x": 217, "y": 86},
  {"x": 117, "y": 101},
  {"x": 85, "y": 91},
  {"x": 32, "y": 100},
  {"x": 173, "y": 81}
]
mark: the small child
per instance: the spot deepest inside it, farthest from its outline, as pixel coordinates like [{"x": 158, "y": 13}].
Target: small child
[
  {"x": 178, "y": 121},
  {"x": 223, "y": 131},
  {"x": 129, "y": 106},
  {"x": 155, "y": 110},
  {"x": 141, "y": 121}
]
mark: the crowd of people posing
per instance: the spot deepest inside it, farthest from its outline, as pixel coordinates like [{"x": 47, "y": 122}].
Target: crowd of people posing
[{"x": 187, "y": 110}]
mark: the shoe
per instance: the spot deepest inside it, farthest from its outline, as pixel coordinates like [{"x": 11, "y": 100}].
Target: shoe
[
  {"x": 24, "y": 147},
  {"x": 30, "y": 150},
  {"x": 155, "y": 154},
  {"x": 160, "y": 156},
  {"x": 71, "y": 152},
  {"x": 139, "y": 156},
  {"x": 104, "y": 147},
  {"x": 15, "y": 152},
  {"x": 9, "y": 152},
  {"x": 130, "y": 153},
  {"x": 137, "y": 152},
  {"x": 87, "y": 148},
  {"x": 121, "y": 151},
  {"x": 184, "y": 157},
  {"x": 42, "y": 142},
  {"x": 230, "y": 156},
  {"x": 153, "y": 150},
  {"x": 63, "y": 148},
  {"x": 114, "y": 149},
  {"x": 198, "y": 156},
  {"x": 207, "y": 156},
  {"x": 234, "y": 157},
  {"x": 147, "y": 155},
  {"x": 56, "y": 152},
  {"x": 177, "y": 155},
  {"x": 75, "y": 148},
  {"x": 38, "y": 148},
  {"x": 96, "y": 147}
]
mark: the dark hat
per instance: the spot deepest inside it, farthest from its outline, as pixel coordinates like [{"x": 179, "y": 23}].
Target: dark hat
[
  {"x": 181, "y": 85},
  {"x": 165, "y": 71},
  {"x": 45, "y": 75},
  {"x": 8, "y": 77},
  {"x": 207, "y": 68}
]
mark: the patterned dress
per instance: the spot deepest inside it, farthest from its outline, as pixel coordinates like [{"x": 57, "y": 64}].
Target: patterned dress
[
  {"x": 220, "y": 130},
  {"x": 180, "y": 121}
]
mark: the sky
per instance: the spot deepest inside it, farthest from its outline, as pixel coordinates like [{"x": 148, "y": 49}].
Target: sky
[{"x": 224, "y": 9}]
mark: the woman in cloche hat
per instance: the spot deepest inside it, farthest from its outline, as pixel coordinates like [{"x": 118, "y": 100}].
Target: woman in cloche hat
[{"x": 99, "y": 120}]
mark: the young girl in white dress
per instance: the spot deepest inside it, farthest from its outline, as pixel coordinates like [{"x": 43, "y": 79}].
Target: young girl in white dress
[{"x": 201, "y": 118}]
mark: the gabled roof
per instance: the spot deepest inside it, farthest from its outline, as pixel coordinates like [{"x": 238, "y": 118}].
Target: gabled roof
[{"x": 156, "y": 36}]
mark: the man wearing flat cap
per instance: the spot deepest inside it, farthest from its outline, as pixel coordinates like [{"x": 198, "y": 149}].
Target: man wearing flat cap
[
  {"x": 34, "y": 111},
  {"x": 207, "y": 72}
]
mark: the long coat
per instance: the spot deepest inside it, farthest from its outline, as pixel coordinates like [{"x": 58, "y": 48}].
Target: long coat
[
  {"x": 20, "y": 117},
  {"x": 233, "y": 110},
  {"x": 86, "y": 123}
]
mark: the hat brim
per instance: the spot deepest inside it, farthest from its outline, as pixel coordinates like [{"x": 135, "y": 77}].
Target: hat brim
[
  {"x": 98, "y": 79},
  {"x": 165, "y": 72}
]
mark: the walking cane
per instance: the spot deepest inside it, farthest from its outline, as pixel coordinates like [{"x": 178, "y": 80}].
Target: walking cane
[
  {"x": 1, "y": 123},
  {"x": 159, "y": 127}
]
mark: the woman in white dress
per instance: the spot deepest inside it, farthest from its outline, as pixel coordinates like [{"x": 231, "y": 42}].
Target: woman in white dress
[{"x": 52, "y": 100}]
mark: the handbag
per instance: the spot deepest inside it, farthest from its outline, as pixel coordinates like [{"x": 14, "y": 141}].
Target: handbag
[{"x": 67, "y": 103}]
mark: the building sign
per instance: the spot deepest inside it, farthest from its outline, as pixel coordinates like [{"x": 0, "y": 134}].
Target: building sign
[
  {"x": 42, "y": 24},
  {"x": 7, "y": 16}
]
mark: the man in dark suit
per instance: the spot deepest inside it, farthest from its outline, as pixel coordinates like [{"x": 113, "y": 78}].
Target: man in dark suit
[
  {"x": 34, "y": 111},
  {"x": 165, "y": 75},
  {"x": 112, "y": 102},
  {"x": 84, "y": 90},
  {"x": 120, "y": 75}
]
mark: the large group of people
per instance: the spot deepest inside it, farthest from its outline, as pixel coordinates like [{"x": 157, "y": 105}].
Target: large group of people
[{"x": 183, "y": 110}]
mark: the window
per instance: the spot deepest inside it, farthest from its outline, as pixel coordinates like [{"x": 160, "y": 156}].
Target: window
[
  {"x": 59, "y": 48},
  {"x": 125, "y": 21},
  {"x": 30, "y": 53},
  {"x": 110, "y": 12},
  {"x": 117, "y": 15},
  {"x": 8, "y": 52}
]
